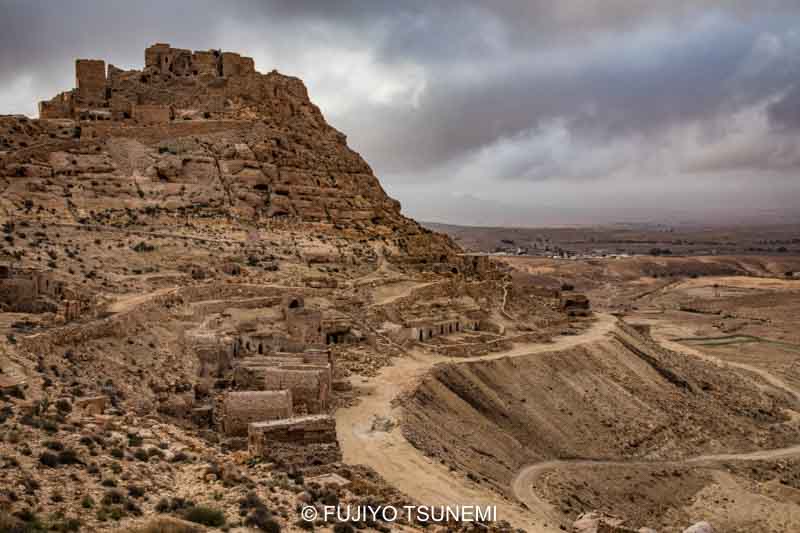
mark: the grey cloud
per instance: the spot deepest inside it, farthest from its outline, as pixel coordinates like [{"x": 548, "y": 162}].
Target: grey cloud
[
  {"x": 478, "y": 94},
  {"x": 784, "y": 113}
]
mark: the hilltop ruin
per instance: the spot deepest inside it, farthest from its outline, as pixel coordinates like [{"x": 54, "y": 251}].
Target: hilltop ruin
[{"x": 194, "y": 260}]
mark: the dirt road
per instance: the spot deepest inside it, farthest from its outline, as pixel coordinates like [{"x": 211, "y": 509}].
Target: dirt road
[
  {"x": 407, "y": 468},
  {"x": 526, "y": 479},
  {"x": 383, "y": 447}
]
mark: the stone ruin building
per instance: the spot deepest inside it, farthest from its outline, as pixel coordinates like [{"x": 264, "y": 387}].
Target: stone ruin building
[
  {"x": 296, "y": 442},
  {"x": 30, "y": 290},
  {"x": 575, "y": 304},
  {"x": 102, "y": 93},
  {"x": 283, "y": 375}
]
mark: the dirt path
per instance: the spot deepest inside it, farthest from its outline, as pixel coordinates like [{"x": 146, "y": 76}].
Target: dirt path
[
  {"x": 523, "y": 483},
  {"x": 128, "y": 302},
  {"x": 393, "y": 291},
  {"x": 766, "y": 376},
  {"x": 407, "y": 468}
]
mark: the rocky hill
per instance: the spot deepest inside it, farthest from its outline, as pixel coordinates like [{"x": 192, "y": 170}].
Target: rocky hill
[
  {"x": 199, "y": 134},
  {"x": 196, "y": 273}
]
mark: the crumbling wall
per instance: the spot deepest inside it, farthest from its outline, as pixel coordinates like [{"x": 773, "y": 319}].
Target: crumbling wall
[
  {"x": 249, "y": 373},
  {"x": 424, "y": 330},
  {"x": 305, "y": 326},
  {"x": 296, "y": 442},
  {"x": 575, "y": 304},
  {"x": 205, "y": 63},
  {"x": 241, "y": 408},
  {"x": 91, "y": 405},
  {"x": 310, "y": 387},
  {"x": 215, "y": 354},
  {"x": 90, "y": 80},
  {"x": 60, "y": 106},
  {"x": 151, "y": 113}
]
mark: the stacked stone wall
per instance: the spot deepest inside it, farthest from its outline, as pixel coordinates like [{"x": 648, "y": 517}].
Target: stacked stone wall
[{"x": 242, "y": 408}]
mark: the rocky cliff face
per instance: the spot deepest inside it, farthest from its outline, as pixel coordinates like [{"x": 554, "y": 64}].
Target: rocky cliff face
[{"x": 201, "y": 133}]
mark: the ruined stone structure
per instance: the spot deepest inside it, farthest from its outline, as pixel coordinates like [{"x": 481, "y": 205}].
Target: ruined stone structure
[
  {"x": 28, "y": 290},
  {"x": 575, "y": 304},
  {"x": 296, "y": 442},
  {"x": 423, "y": 330},
  {"x": 90, "y": 82},
  {"x": 92, "y": 405},
  {"x": 241, "y": 408},
  {"x": 304, "y": 325},
  {"x": 310, "y": 386},
  {"x": 151, "y": 113},
  {"x": 215, "y": 354}
]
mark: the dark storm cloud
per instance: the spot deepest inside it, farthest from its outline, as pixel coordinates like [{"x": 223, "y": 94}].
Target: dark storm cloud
[
  {"x": 478, "y": 93},
  {"x": 785, "y": 112}
]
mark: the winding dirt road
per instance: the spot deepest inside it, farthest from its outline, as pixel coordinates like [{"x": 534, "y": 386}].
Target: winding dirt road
[
  {"x": 526, "y": 479},
  {"x": 407, "y": 468},
  {"x": 385, "y": 449}
]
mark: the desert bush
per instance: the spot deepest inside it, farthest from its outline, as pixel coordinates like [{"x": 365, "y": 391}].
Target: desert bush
[
  {"x": 113, "y": 497},
  {"x": 68, "y": 457},
  {"x": 49, "y": 459},
  {"x": 206, "y": 516},
  {"x": 343, "y": 527},
  {"x": 262, "y": 519}
]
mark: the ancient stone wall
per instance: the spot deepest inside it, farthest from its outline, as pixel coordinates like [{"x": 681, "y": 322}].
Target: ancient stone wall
[
  {"x": 424, "y": 330},
  {"x": 58, "y": 107},
  {"x": 92, "y": 405},
  {"x": 575, "y": 304},
  {"x": 215, "y": 354},
  {"x": 305, "y": 326},
  {"x": 310, "y": 388},
  {"x": 151, "y": 114},
  {"x": 241, "y": 408},
  {"x": 205, "y": 63},
  {"x": 90, "y": 80},
  {"x": 296, "y": 442},
  {"x": 249, "y": 372}
]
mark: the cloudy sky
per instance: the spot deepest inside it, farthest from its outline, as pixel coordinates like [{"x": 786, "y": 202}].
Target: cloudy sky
[{"x": 493, "y": 112}]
